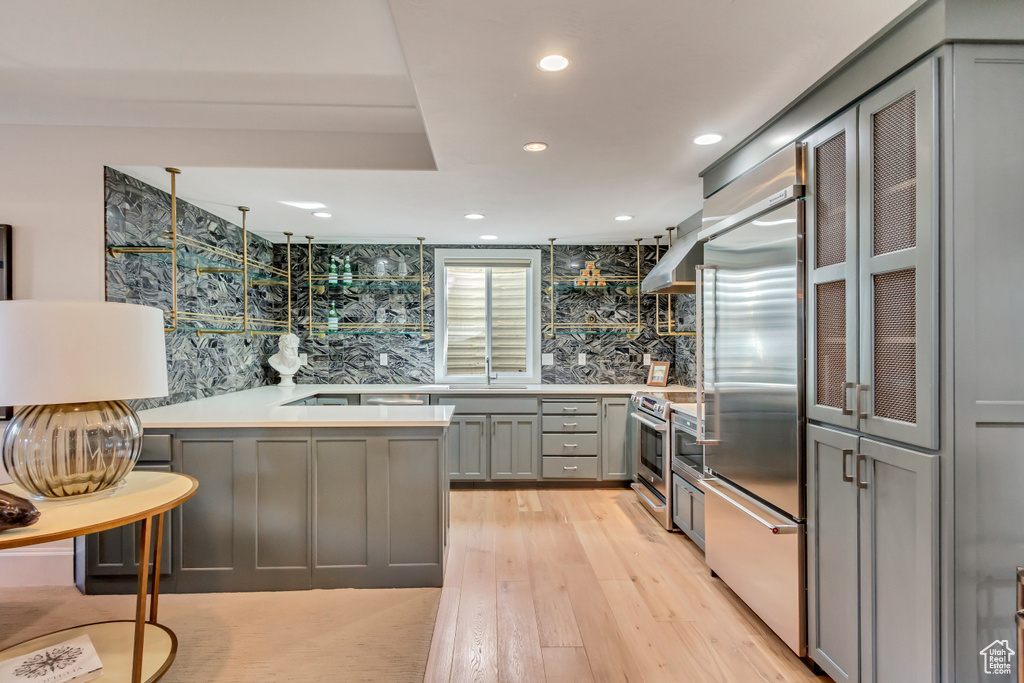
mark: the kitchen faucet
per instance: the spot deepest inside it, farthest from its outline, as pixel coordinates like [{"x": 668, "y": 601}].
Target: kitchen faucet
[{"x": 487, "y": 360}]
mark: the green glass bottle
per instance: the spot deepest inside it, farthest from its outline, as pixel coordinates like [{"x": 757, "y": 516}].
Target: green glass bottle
[
  {"x": 332, "y": 273},
  {"x": 332, "y": 319},
  {"x": 347, "y": 275}
]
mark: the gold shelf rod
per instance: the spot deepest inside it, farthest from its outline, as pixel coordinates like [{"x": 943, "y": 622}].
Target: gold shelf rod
[
  {"x": 638, "y": 319},
  {"x": 220, "y": 251},
  {"x": 551, "y": 264},
  {"x": 288, "y": 256},
  {"x": 174, "y": 249},
  {"x": 423, "y": 332},
  {"x": 309, "y": 278},
  {"x": 115, "y": 252}
]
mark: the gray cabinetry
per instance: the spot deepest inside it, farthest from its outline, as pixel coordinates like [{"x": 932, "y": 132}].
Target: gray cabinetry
[
  {"x": 570, "y": 444},
  {"x": 688, "y": 509},
  {"x": 108, "y": 561},
  {"x": 832, "y": 282},
  {"x": 833, "y": 584},
  {"x": 872, "y": 558},
  {"x": 286, "y": 509},
  {"x": 872, "y": 235},
  {"x": 467, "y": 447},
  {"x": 899, "y": 258},
  {"x": 616, "y": 462},
  {"x": 899, "y": 563},
  {"x": 514, "y": 447}
]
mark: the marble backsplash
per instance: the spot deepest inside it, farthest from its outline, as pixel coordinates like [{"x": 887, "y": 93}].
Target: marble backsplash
[
  {"x": 611, "y": 358},
  {"x": 137, "y": 214}
]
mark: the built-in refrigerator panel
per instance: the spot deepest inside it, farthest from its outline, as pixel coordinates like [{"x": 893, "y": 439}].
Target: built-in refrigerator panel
[{"x": 752, "y": 307}]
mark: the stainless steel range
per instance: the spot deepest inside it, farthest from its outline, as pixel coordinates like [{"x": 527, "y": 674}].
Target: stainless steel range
[{"x": 653, "y": 466}]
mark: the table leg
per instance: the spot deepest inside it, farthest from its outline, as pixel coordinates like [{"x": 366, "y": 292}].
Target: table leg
[
  {"x": 140, "y": 599},
  {"x": 158, "y": 544}
]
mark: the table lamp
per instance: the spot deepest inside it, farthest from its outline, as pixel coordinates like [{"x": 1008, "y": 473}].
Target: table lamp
[{"x": 70, "y": 365}]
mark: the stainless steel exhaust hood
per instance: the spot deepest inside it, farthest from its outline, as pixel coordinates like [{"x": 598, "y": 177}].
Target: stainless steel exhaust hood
[{"x": 676, "y": 272}]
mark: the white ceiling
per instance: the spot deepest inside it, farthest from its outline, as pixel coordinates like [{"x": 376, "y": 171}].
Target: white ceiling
[{"x": 644, "y": 78}]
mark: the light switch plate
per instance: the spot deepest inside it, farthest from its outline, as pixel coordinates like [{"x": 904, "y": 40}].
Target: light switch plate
[
  {"x": 647, "y": 359},
  {"x": 547, "y": 359},
  {"x": 383, "y": 359},
  {"x": 582, "y": 359}
]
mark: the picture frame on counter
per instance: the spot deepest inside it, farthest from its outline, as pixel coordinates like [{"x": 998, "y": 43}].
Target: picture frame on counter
[{"x": 657, "y": 375}]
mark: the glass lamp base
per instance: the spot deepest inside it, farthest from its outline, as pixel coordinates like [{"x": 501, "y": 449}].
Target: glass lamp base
[{"x": 69, "y": 449}]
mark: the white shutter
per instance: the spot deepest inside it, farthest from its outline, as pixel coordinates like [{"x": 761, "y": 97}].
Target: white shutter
[
  {"x": 508, "y": 319},
  {"x": 466, "y": 320}
]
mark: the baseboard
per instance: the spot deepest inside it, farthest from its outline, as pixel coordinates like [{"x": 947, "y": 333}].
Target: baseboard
[{"x": 46, "y": 565}]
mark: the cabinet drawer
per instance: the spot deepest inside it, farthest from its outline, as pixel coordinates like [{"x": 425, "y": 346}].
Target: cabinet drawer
[
  {"x": 570, "y": 468},
  {"x": 569, "y": 407},
  {"x": 569, "y": 444},
  {"x": 570, "y": 423}
]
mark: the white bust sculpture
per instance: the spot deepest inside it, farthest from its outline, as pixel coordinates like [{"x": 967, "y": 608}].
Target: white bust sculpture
[{"x": 287, "y": 360}]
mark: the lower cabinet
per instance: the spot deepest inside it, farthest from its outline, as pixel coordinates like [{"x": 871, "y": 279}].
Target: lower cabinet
[
  {"x": 616, "y": 460},
  {"x": 688, "y": 509},
  {"x": 467, "y": 447},
  {"x": 872, "y": 574},
  {"x": 514, "y": 446},
  {"x": 286, "y": 509}
]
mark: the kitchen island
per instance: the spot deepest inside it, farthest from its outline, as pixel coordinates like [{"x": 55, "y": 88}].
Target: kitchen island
[{"x": 290, "y": 498}]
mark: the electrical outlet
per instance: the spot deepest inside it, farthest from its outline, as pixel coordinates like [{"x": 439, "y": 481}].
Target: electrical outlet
[
  {"x": 647, "y": 359},
  {"x": 547, "y": 359},
  {"x": 582, "y": 359},
  {"x": 383, "y": 359},
  {"x": 303, "y": 358}
]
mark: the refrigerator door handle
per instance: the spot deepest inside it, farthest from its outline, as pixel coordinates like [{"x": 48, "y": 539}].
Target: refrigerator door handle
[
  {"x": 774, "y": 528},
  {"x": 702, "y": 429}
]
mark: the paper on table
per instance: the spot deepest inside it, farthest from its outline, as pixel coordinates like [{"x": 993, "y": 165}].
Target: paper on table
[{"x": 73, "y": 661}]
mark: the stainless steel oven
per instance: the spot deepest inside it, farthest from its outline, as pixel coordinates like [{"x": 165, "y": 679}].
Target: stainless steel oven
[
  {"x": 652, "y": 481},
  {"x": 687, "y": 453}
]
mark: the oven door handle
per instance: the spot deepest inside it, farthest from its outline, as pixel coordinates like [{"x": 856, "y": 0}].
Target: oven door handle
[
  {"x": 639, "y": 488},
  {"x": 653, "y": 425}
]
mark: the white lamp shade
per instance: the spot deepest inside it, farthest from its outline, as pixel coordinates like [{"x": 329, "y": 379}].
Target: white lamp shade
[{"x": 77, "y": 351}]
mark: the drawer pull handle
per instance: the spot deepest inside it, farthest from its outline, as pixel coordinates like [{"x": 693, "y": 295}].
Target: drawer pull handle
[
  {"x": 570, "y": 424},
  {"x": 566, "y": 467},
  {"x": 569, "y": 409},
  {"x": 571, "y": 445}
]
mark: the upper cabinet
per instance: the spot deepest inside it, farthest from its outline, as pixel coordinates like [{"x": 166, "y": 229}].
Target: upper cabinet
[{"x": 872, "y": 238}]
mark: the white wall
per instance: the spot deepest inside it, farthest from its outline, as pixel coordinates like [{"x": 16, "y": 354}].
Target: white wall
[{"x": 51, "y": 192}]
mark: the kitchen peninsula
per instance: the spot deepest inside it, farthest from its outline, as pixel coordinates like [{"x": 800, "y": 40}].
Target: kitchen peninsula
[{"x": 343, "y": 485}]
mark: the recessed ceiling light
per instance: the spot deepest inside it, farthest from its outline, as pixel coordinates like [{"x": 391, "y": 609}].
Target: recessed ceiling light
[
  {"x": 553, "y": 63},
  {"x": 308, "y": 206},
  {"x": 708, "y": 139},
  {"x": 488, "y": 237},
  {"x": 474, "y": 216},
  {"x": 535, "y": 146},
  {"x": 322, "y": 214},
  {"x": 623, "y": 218}
]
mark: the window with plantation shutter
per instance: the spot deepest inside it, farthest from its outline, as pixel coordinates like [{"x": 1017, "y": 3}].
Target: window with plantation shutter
[{"x": 488, "y": 309}]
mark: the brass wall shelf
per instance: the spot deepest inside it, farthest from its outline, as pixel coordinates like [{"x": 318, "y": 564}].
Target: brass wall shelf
[
  {"x": 220, "y": 261},
  {"x": 320, "y": 284},
  {"x": 629, "y": 285}
]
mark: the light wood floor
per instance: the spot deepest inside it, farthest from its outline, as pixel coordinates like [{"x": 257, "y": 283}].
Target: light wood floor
[{"x": 582, "y": 585}]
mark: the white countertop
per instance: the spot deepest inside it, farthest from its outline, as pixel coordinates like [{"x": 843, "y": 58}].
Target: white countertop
[
  {"x": 687, "y": 409},
  {"x": 262, "y": 407}
]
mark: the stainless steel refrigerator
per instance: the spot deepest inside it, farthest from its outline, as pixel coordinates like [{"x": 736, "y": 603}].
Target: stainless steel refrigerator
[{"x": 751, "y": 352}]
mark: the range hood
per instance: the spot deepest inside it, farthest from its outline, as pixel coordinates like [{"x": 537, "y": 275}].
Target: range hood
[{"x": 676, "y": 272}]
